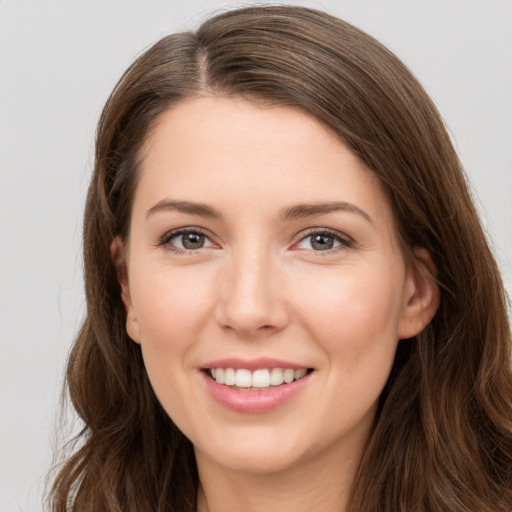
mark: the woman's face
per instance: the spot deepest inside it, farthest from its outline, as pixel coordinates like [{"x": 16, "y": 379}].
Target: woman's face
[{"x": 261, "y": 251}]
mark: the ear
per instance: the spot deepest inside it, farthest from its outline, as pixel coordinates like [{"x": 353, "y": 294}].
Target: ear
[
  {"x": 422, "y": 295},
  {"x": 117, "y": 251}
]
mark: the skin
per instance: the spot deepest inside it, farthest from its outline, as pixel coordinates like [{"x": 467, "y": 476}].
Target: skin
[{"x": 258, "y": 287}]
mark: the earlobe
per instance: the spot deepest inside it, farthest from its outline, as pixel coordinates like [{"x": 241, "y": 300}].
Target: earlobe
[
  {"x": 422, "y": 294},
  {"x": 117, "y": 253}
]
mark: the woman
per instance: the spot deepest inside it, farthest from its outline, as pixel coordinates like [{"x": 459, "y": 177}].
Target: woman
[{"x": 291, "y": 303}]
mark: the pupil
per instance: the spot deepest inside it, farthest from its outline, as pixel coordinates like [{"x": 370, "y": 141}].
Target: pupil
[
  {"x": 322, "y": 242},
  {"x": 193, "y": 240}
]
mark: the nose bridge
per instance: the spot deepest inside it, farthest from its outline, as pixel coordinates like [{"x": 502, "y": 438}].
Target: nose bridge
[{"x": 251, "y": 298}]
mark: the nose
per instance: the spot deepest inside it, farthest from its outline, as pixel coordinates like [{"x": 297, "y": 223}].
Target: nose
[{"x": 251, "y": 295}]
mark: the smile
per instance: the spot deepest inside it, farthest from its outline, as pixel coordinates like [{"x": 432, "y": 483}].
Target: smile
[
  {"x": 257, "y": 379},
  {"x": 256, "y": 386}
]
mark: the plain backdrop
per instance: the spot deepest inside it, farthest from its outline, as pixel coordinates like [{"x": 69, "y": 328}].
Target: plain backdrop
[{"x": 58, "y": 62}]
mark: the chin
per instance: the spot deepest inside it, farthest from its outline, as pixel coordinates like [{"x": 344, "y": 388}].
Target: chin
[
  {"x": 256, "y": 463},
  {"x": 254, "y": 452}
]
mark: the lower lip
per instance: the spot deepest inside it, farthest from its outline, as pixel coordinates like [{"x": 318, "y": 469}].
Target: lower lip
[{"x": 254, "y": 401}]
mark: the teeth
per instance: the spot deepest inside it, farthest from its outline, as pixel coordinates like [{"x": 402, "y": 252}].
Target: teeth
[
  {"x": 229, "y": 377},
  {"x": 300, "y": 373},
  {"x": 243, "y": 379},
  {"x": 261, "y": 378},
  {"x": 276, "y": 377},
  {"x": 288, "y": 375}
]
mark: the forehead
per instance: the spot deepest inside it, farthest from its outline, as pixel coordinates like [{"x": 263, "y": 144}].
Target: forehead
[{"x": 244, "y": 155}]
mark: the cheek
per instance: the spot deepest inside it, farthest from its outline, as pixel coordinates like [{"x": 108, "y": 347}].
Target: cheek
[
  {"x": 171, "y": 306},
  {"x": 171, "y": 309},
  {"x": 353, "y": 311}
]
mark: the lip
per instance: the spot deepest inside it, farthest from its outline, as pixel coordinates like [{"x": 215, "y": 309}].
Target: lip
[
  {"x": 252, "y": 364},
  {"x": 254, "y": 401}
]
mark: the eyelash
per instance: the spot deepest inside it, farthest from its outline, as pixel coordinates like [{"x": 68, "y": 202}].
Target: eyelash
[
  {"x": 344, "y": 241},
  {"x": 167, "y": 237}
]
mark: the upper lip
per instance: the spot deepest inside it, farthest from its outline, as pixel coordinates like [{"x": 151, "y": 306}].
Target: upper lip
[{"x": 253, "y": 364}]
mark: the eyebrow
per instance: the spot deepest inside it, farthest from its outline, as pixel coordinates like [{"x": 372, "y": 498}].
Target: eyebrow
[
  {"x": 298, "y": 211},
  {"x": 310, "y": 210},
  {"x": 199, "y": 209}
]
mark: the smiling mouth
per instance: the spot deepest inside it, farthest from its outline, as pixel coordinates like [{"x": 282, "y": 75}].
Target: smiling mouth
[{"x": 263, "y": 378}]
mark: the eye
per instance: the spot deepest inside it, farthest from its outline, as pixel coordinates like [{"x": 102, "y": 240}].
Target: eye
[
  {"x": 323, "y": 241},
  {"x": 186, "y": 240}
]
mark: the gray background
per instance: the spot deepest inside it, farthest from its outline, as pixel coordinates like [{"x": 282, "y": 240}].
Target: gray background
[{"x": 58, "y": 62}]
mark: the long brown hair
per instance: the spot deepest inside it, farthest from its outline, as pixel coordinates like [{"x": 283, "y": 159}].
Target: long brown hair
[{"x": 442, "y": 439}]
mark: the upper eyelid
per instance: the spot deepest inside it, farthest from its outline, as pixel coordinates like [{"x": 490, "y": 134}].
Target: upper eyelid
[
  {"x": 166, "y": 237},
  {"x": 345, "y": 242},
  {"x": 319, "y": 230}
]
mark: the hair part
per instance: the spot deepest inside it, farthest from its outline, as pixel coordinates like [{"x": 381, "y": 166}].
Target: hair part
[{"x": 442, "y": 439}]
